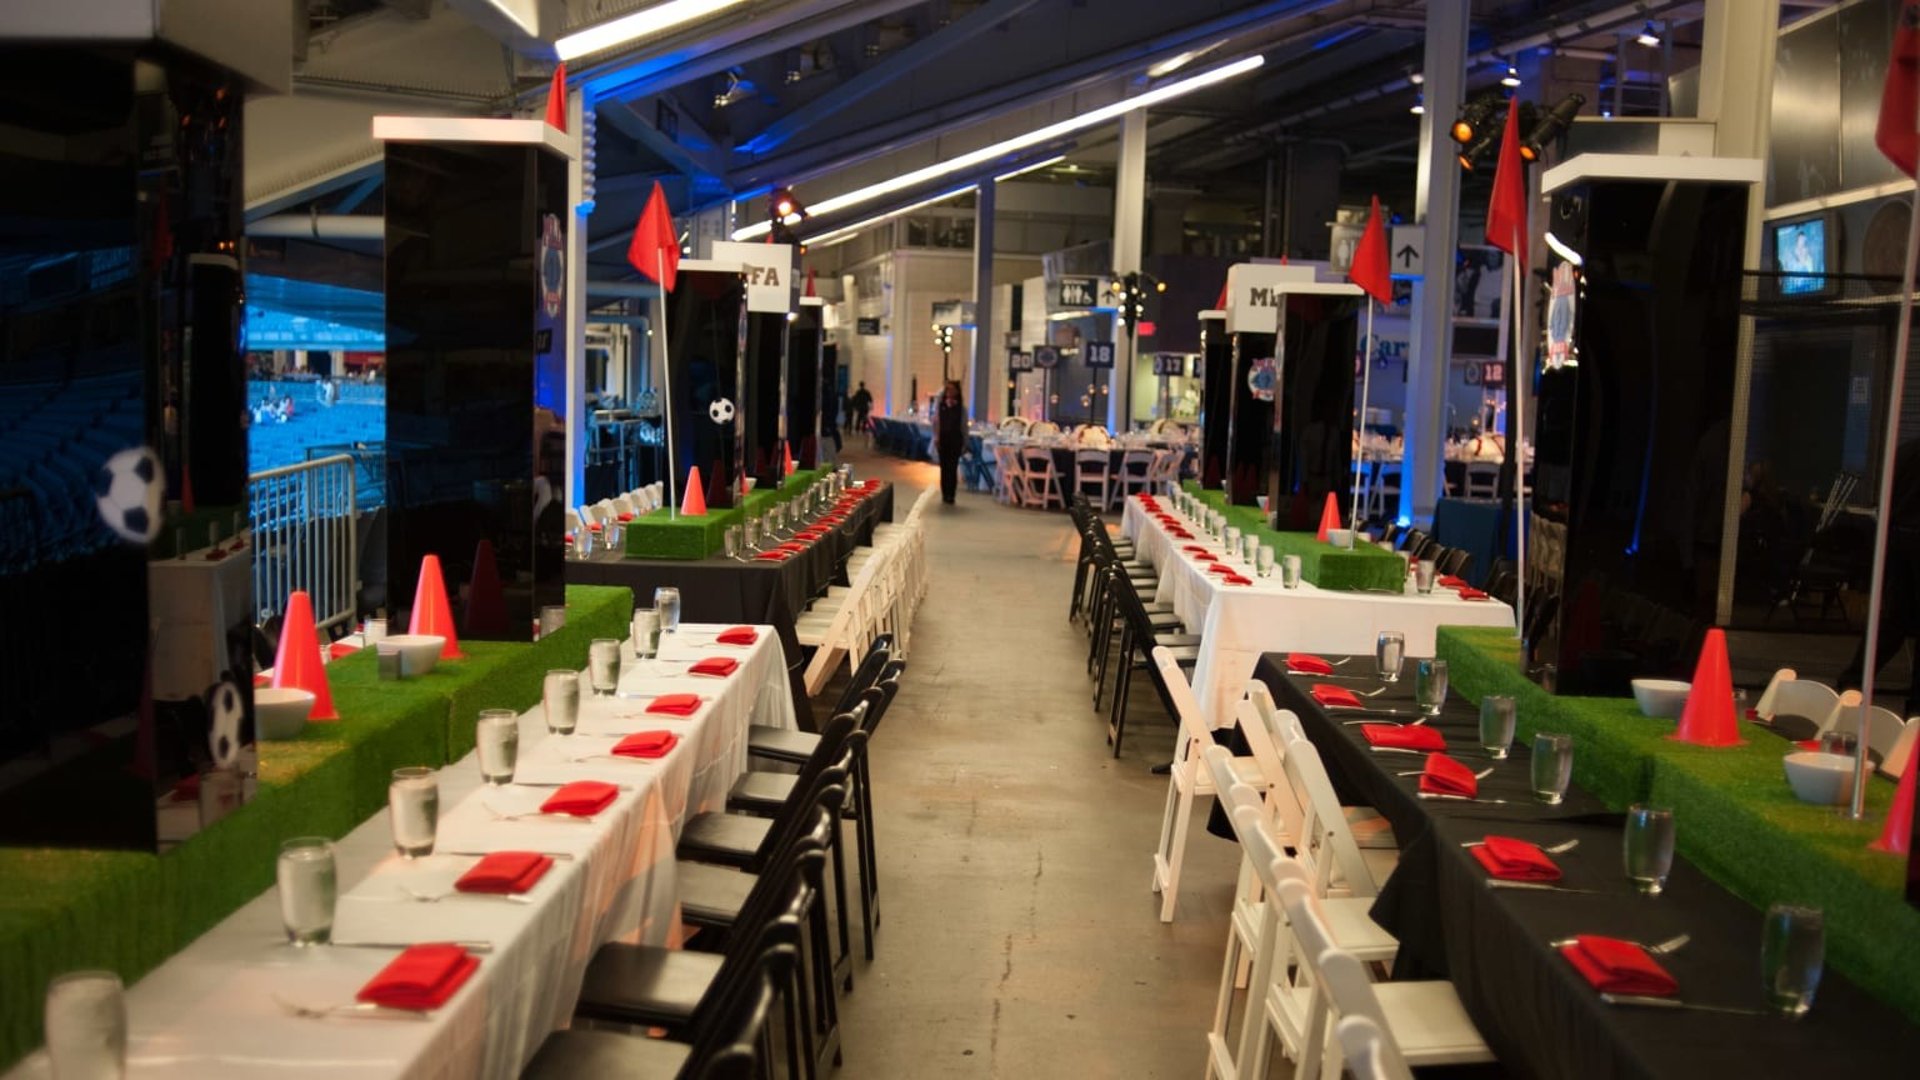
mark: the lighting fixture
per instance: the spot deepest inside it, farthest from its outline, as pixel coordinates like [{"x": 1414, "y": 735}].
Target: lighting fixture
[
  {"x": 1478, "y": 148},
  {"x": 1025, "y": 169},
  {"x": 1416, "y": 78},
  {"x": 848, "y": 232},
  {"x": 1511, "y": 78},
  {"x": 1419, "y": 106},
  {"x": 1549, "y": 127},
  {"x": 786, "y": 205},
  {"x": 1648, "y": 36},
  {"x": 1107, "y": 113},
  {"x": 1474, "y": 116},
  {"x": 644, "y": 23}
]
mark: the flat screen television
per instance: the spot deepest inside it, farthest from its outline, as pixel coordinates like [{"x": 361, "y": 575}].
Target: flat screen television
[{"x": 1805, "y": 255}]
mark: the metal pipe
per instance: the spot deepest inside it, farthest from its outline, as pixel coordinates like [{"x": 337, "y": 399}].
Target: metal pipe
[{"x": 318, "y": 226}]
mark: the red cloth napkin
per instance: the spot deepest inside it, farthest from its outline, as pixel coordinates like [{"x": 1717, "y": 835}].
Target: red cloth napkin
[
  {"x": 340, "y": 648},
  {"x": 1236, "y": 579},
  {"x": 738, "y": 635},
  {"x": 775, "y": 555},
  {"x": 1335, "y": 697},
  {"x": 506, "y": 872},
  {"x": 675, "y": 704},
  {"x": 423, "y": 977},
  {"x": 1450, "y": 581},
  {"x": 593, "y": 526},
  {"x": 624, "y": 518},
  {"x": 1205, "y": 556},
  {"x": 1403, "y": 738},
  {"x": 1195, "y": 549},
  {"x": 582, "y": 798},
  {"x": 1181, "y": 533},
  {"x": 1618, "y": 967},
  {"x": 1301, "y": 663},
  {"x": 1515, "y": 860},
  {"x": 811, "y": 534},
  {"x": 1471, "y": 594},
  {"x": 263, "y": 680},
  {"x": 1445, "y": 776},
  {"x": 1812, "y": 745},
  {"x": 1221, "y": 568},
  {"x": 721, "y": 666},
  {"x": 646, "y": 744}
]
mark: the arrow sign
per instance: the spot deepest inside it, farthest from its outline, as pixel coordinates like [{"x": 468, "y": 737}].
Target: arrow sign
[
  {"x": 1409, "y": 245},
  {"x": 1408, "y": 255}
]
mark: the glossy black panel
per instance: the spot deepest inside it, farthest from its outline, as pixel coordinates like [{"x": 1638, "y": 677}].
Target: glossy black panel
[
  {"x": 1216, "y": 400},
  {"x": 707, "y": 321},
  {"x": 1250, "y": 450},
  {"x": 804, "y": 342},
  {"x": 1313, "y": 428},
  {"x": 761, "y": 401},
  {"x": 469, "y": 459}
]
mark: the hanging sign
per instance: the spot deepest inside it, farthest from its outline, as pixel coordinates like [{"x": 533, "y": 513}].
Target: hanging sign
[
  {"x": 1255, "y": 292},
  {"x": 867, "y": 327},
  {"x": 1099, "y": 354},
  {"x": 1262, "y": 375},
  {"x": 1079, "y": 292},
  {"x": 1560, "y": 317},
  {"x": 772, "y": 285},
  {"x": 1046, "y": 357},
  {"x": 1019, "y": 360},
  {"x": 1173, "y": 364}
]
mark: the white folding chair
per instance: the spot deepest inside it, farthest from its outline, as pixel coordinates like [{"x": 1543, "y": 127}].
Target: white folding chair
[
  {"x": 1042, "y": 479},
  {"x": 1187, "y": 781},
  {"x": 1895, "y": 762},
  {"x": 1371, "y": 1054},
  {"x": 1325, "y": 843},
  {"x": 1092, "y": 475},
  {"x": 1136, "y": 474},
  {"x": 1483, "y": 480},
  {"x": 1884, "y": 727},
  {"x": 838, "y": 628},
  {"x": 1369, "y": 830},
  {"x": 1012, "y": 478},
  {"x": 1803, "y": 698}
]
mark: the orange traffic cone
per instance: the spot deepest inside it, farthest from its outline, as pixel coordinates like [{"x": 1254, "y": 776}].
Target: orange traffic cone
[
  {"x": 786, "y": 459},
  {"x": 431, "y": 612},
  {"x": 1708, "y": 718},
  {"x": 1897, "y": 835},
  {"x": 1329, "y": 516},
  {"x": 486, "y": 598},
  {"x": 296, "y": 663},
  {"x": 694, "y": 502}
]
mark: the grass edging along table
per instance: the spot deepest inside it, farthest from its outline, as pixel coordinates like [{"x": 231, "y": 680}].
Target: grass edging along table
[
  {"x": 667, "y": 534},
  {"x": 1361, "y": 568},
  {"x": 1738, "y": 819},
  {"x": 62, "y": 910}
]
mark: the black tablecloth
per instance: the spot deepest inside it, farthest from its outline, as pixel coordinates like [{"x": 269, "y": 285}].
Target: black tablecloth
[
  {"x": 722, "y": 590},
  {"x": 1535, "y": 1011}
]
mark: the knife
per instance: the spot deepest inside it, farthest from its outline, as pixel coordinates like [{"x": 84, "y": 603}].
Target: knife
[
  {"x": 1536, "y": 886},
  {"x": 470, "y": 946},
  {"x": 555, "y": 855},
  {"x": 1672, "y": 1003}
]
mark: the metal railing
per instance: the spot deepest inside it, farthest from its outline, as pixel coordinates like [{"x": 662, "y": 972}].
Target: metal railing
[{"x": 303, "y": 519}]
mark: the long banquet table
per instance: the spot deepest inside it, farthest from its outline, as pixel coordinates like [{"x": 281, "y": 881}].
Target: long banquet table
[
  {"x": 1538, "y": 1015},
  {"x": 210, "y": 1011},
  {"x": 1237, "y": 623}
]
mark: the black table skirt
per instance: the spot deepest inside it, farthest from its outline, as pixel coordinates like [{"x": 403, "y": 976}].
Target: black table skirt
[
  {"x": 722, "y": 590},
  {"x": 1539, "y": 1016}
]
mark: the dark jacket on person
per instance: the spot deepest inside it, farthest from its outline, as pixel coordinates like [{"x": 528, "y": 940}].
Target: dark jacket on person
[{"x": 951, "y": 429}]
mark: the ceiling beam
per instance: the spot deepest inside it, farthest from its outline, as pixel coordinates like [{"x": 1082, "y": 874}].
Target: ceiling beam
[{"x": 705, "y": 164}]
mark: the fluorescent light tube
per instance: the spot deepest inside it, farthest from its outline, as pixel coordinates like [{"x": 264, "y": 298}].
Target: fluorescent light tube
[{"x": 644, "y": 23}]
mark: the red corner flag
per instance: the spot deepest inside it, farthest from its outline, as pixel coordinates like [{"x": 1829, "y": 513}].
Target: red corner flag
[
  {"x": 655, "y": 248},
  {"x": 1371, "y": 269},
  {"x": 557, "y": 98},
  {"x": 1507, "y": 212},
  {"x": 1898, "y": 133}
]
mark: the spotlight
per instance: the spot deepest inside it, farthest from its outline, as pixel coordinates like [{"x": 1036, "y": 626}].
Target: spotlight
[
  {"x": 786, "y": 205},
  {"x": 1416, "y": 78},
  {"x": 1511, "y": 78},
  {"x": 1648, "y": 36},
  {"x": 1474, "y": 116},
  {"x": 1419, "y": 106},
  {"x": 1478, "y": 149},
  {"x": 1550, "y": 126}
]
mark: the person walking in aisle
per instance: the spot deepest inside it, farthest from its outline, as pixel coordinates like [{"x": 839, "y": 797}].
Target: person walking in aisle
[
  {"x": 950, "y": 438},
  {"x": 862, "y": 402}
]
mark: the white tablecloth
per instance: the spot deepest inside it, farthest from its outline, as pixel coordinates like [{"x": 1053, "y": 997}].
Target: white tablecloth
[
  {"x": 209, "y": 1011},
  {"x": 1237, "y": 623}
]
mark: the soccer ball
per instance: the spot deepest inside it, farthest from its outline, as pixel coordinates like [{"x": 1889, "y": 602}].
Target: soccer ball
[
  {"x": 721, "y": 411},
  {"x": 129, "y": 489},
  {"x": 225, "y": 712}
]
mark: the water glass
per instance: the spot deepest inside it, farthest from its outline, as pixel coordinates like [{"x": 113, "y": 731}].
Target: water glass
[
  {"x": 603, "y": 665},
  {"x": 1496, "y": 725},
  {"x": 413, "y": 804},
  {"x": 560, "y": 695},
  {"x": 308, "y": 887},
  {"x": 1423, "y": 575},
  {"x": 1249, "y": 548},
  {"x": 1290, "y": 571},
  {"x": 730, "y": 542},
  {"x": 1552, "y": 766},
  {"x": 666, "y": 601},
  {"x": 1648, "y": 847},
  {"x": 1430, "y": 685},
  {"x": 87, "y": 1026},
  {"x": 1233, "y": 543},
  {"x": 1792, "y": 954},
  {"x": 552, "y": 618},
  {"x": 373, "y": 631},
  {"x": 1390, "y": 655},
  {"x": 646, "y": 633},
  {"x": 1263, "y": 560},
  {"x": 496, "y": 738}
]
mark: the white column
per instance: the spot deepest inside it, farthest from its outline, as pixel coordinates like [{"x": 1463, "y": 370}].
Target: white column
[
  {"x": 575, "y": 324},
  {"x": 979, "y": 381},
  {"x": 1437, "y": 205},
  {"x": 1129, "y": 214}
]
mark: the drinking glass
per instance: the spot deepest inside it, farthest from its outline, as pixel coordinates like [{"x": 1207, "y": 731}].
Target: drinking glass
[
  {"x": 1648, "y": 847},
  {"x": 496, "y": 737},
  {"x": 1552, "y": 766},
  {"x": 308, "y": 885},
  {"x": 1423, "y": 574},
  {"x": 1232, "y": 538},
  {"x": 1263, "y": 560},
  {"x": 1792, "y": 954},
  {"x": 560, "y": 694},
  {"x": 730, "y": 541},
  {"x": 1249, "y": 548},
  {"x": 1430, "y": 685},
  {"x": 646, "y": 633},
  {"x": 552, "y": 618},
  {"x": 1290, "y": 571},
  {"x": 1496, "y": 725},
  {"x": 373, "y": 631},
  {"x": 666, "y": 601},
  {"x": 87, "y": 1026},
  {"x": 1390, "y": 655},
  {"x": 603, "y": 665},
  {"x": 413, "y": 802}
]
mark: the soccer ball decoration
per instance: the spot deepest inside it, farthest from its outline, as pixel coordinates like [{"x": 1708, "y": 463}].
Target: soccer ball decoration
[
  {"x": 721, "y": 411},
  {"x": 226, "y": 712},
  {"x": 129, "y": 489}
]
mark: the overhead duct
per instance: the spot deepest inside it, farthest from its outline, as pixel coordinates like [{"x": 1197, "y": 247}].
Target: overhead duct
[{"x": 362, "y": 227}]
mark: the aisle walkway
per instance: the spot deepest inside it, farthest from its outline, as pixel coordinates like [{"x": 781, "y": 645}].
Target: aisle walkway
[{"x": 1020, "y": 938}]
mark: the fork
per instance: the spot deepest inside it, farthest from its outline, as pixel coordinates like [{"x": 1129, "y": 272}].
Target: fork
[
  {"x": 434, "y": 898},
  {"x": 355, "y": 1010},
  {"x": 1671, "y": 945},
  {"x": 1481, "y": 775},
  {"x": 1389, "y": 723},
  {"x": 1560, "y": 848},
  {"x": 530, "y": 815}
]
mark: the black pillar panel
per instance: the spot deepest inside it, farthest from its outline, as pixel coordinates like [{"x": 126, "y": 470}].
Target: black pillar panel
[
  {"x": 468, "y": 460},
  {"x": 761, "y": 401},
  {"x": 804, "y": 340},
  {"x": 1216, "y": 401},
  {"x": 707, "y": 325},
  {"x": 1313, "y": 430},
  {"x": 1250, "y": 450},
  {"x": 1631, "y": 443},
  {"x": 832, "y": 398}
]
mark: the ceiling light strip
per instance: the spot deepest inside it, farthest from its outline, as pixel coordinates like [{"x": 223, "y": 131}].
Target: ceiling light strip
[{"x": 645, "y": 23}]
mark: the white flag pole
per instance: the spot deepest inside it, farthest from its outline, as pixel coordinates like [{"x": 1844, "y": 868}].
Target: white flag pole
[
  {"x": 666, "y": 370},
  {"x": 1366, "y": 384},
  {"x": 1517, "y": 373},
  {"x": 1883, "y": 516}
]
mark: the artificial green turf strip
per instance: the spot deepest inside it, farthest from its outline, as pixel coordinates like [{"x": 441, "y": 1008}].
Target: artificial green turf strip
[
  {"x": 63, "y": 910},
  {"x": 668, "y": 534},
  {"x": 1363, "y": 568},
  {"x": 1738, "y": 819}
]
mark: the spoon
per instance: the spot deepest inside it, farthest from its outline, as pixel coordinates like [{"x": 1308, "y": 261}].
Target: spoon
[{"x": 1481, "y": 775}]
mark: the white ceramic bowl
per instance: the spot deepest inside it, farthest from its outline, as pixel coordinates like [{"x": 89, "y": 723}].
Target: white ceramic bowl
[
  {"x": 281, "y": 712},
  {"x": 1340, "y": 538},
  {"x": 418, "y": 652},
  {"x": 1662, "y": 699},
  {"x": 1820, "y": 778}
]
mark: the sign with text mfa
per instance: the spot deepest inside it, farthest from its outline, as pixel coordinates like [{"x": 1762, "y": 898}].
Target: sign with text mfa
[{"x": 772, "y": 283}]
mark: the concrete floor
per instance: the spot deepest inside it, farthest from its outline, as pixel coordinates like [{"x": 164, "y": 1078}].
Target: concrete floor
[{"x": 1020, "y": 936}]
